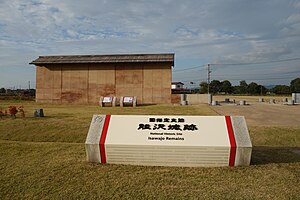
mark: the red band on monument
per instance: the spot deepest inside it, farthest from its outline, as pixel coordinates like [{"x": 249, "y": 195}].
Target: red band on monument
[
  {"x": 103, "y": 138},
  {"x": 232, "y": 141}
]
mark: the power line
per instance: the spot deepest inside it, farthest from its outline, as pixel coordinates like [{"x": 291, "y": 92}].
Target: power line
[
  {"x": 252, "y": 63},
  {"x": 249, "y": 79},
  {"x": 256, "y": 63},
  {"x": 249, "y": 75},
  {"x": 287, "y": 78},
  {"x": 238, "y": 75},
  {"x": 204, "y": 67},
  {"x": 180, "y": 70}
]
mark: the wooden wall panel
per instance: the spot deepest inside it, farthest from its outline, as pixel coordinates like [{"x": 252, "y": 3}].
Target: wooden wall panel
[
  {"x": 56, "y": 84},
  {"x": 166, "y": 77},
  {"x": 147, "y": 95},
  {"x": 92, "y": 95},
  {"x": 157, "y": 95},
  {"x": 166, "y": 95},
  {"x": 48, "y": 83},
  {"x": 39, "y": 77},
  {"x": 125, "y": 91},
  {"x": 129, "y": 80},
  {"x": 129, "y": 74},
  {"x": 39, "y": 94},
  {"x": 148, "y": 77},
  {"x": 39, "y": 82},
  {"x": 82, "y": 83},
  {"x": 75, "y": 83},
  {"x": 66, "y": 84},
  {"x": 101, "y": 81},
  {"x": 157, "y": 79},
  {"x": 48, "y": 78}
]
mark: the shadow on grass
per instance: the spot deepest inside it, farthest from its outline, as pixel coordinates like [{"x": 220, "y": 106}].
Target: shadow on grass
[
  {"x": 146, "y": 104},
  {"x": 262, "y": 155}
]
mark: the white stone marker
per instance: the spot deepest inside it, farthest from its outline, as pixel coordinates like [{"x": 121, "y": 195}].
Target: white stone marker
[
  {"x": 107, "y": 100},
  {"x": 128, "y": 100},
  {"x": 189, "y": 141}
]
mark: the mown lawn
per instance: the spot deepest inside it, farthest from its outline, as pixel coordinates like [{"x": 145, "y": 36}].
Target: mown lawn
[{"x": 45, "y": 159}]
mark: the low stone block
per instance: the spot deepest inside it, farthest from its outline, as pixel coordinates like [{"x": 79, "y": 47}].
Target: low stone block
[{"x": 190, "y": 141}]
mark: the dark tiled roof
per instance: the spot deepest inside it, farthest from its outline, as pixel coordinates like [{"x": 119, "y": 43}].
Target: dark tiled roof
[
  {"x": 104, "y": 58},
  {"x": 176, "y": 83}
]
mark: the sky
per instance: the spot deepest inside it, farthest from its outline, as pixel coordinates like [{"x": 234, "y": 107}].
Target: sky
[{"x": 257, "y": 40}]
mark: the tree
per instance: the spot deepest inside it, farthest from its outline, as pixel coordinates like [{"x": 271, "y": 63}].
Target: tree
[
  {"x": 226, "y": 87},
  {"x": 2, "y": 90},
  {"x": 253, "y": 88},
  {"x": 236, "y": 89},
  {"x": 295, "y": 85},
  {"x": 263, "y": 89},
  {"x": 281, "y": 89},
  {"x": 203, "y": 87},
  {"x": 243, "y": 87},
  {"x": 195, "y": 90},
  {"x": 215, "y": 86}
]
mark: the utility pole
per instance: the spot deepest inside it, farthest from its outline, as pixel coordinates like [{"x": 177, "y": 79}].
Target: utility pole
[
  {"x": 208, "y": 82},
  {"x": 28, "y": 85}
]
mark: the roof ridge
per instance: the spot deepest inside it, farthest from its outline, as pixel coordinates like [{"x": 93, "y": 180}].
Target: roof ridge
[{"x": 116, "y": 58}]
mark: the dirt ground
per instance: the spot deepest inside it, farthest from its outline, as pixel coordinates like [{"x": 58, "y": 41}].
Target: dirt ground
[{"x": 263, "y": 114}]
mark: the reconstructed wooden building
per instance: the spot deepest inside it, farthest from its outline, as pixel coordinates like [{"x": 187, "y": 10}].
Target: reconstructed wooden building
[{"x": 84, "y": 78}]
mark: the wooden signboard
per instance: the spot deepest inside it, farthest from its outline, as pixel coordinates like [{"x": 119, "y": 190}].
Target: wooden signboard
[{"x": 169, "y": 140}]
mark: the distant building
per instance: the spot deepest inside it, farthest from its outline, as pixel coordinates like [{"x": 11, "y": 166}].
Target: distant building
[
  {"x": 177, "y": 85},
  {"x": 177, "y": 88},
  {"x": 84, "y": 78}
]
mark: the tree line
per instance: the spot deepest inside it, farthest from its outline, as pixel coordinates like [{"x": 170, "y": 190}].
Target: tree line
[{"x": 217, "y": 87}]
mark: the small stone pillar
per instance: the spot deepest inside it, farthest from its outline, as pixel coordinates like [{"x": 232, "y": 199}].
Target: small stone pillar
[
  {"x": 100, "y": 101},
  {"x": 214, "y": 103},
  {"x": 183, "y": 101},
  {"x": 134, "y": 101},
  {"x": 121, "y": 101},
  {"x": 209, "y": 98},
  {"x": 261, "y": 100},
  {"x": 284, "y": 100},
  {"x": 114, "y": 99},
  {"x": 38, "y": 113},
  {"x": 242, "y": 102}
]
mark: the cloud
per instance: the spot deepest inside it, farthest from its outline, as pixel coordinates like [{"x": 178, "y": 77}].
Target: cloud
[{"x": 197, "y": 31}]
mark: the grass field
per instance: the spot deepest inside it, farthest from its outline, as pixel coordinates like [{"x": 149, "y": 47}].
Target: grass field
[{"x": 45, "y": 159}]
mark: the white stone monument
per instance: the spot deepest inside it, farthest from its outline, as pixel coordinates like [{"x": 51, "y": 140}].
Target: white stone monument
[
  {"x": 189, "y": 141},
  {"x": 128, "y": 100},
  {"x": 111, "y": 100}
]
